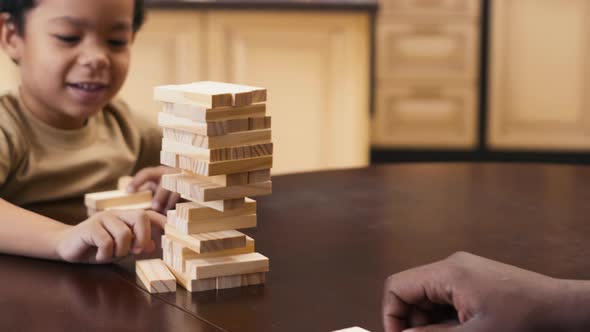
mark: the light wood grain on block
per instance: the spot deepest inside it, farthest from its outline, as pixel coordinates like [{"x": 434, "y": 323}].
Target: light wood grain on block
[
  {"x": 192, "y": 285},
  {"x": 208, "y": 242},
  {"x": 243, "y": 280},
  {"x": 215, "y": 155},
  {"x": 203, "y": 114},
  {"x": 215, "y": 168},
  {"x": 195, "y": 212},
  {"x": 225, "y": 205},
  {"x": 210, "y": 94},
  {"x": 259, "y": 176},
  {"x": 259, "y": 123},
  {"x": 106, "y": 199},
  {"x": 185, "y": 253},
  {"x": 123, "y": 182},
  {"x": 155, "y": 276},
  {"x": 353, "y": 329},
  {"x": 250, "y": 137},
  {"x": 209, "y": 128},
  {"x": 215, "y": 225},
  {"x": 137, "y": 206},
  {"x": 202, "y": 191},
  {"x": 227, "y": 265}
]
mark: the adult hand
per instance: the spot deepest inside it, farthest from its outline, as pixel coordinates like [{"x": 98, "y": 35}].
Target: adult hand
[{"x": 480, "y": 294}]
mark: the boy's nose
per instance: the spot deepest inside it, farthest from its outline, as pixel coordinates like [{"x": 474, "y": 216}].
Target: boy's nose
[{"x": 94, "y": 59}]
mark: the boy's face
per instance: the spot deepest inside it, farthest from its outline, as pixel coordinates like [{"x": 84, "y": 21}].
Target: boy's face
[{"x": 74, "y": 57}]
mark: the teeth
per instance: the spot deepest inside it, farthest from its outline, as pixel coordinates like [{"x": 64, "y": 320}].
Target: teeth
[{"x": 87, "y": 86}]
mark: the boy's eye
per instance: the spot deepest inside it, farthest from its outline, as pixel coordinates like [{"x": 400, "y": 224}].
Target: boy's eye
[
  {"x": 118, "y": 42},
  {"x": 68, "y": 39}
]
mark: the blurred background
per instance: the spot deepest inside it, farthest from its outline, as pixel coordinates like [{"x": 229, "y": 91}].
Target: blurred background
[{"x": 354, "y": 82}]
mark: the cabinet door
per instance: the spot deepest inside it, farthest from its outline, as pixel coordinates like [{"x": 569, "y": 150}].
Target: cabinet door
[
  {"x": 539, "y": 75},
  {"x": 167, "y": 51},
  {"x": 427, "y": 51},
  {"x": 426, "y": 116},
  {"x": 431, "y": 8},
  {"x": 315, "y": 66}
]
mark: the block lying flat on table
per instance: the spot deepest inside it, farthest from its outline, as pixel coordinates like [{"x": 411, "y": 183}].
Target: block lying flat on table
[
  {"x": 243, "y": 280},
  {"x": 353, "y": 329},
  {"x": 210, "y": 94},
  {"x": 208, "y": 242},
  {"x": 192, "y": 285},
  {"x": 203, "y": 191},
  {"x": 220, "y": 154},
  {"x": 215, "y": 168},
  {"x": 203, "y": 268},
  {"x": 250, "y": 137},
  {"x": 212, "y": 225},
  {"x": 204, "y": 114},
  {"x": 155, "y": 276},
  {"x": 195, "y": 212},
  {"x": 106, "y": 199}
]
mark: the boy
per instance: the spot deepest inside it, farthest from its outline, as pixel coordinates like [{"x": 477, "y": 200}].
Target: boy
[{"x": 61, "y": 135}]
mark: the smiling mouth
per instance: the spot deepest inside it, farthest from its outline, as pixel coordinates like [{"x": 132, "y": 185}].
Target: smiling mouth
[{"x": 89, "y": 87}]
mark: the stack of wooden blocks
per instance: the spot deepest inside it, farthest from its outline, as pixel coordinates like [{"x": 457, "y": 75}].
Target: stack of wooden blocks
[{"x": 218, "y": 134}]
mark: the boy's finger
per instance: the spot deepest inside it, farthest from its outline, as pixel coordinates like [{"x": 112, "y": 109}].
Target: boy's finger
[
  {"x": 160, "y": 200},
  {"x": 104, "y": 244},
  {"x": 145, "y": 175},
  {"x": 141, "y": 222},
  {"x": 172, "y": 200},
  {"x": 120, "y": 232}
]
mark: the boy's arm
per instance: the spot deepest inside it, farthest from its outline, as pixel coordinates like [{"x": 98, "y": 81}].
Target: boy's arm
[{"x": 99, "y": 239}]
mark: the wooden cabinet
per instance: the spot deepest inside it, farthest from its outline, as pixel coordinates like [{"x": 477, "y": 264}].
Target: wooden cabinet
[
  {"x": 427, "y": 74},
  {"x": 538, "y": 96},
  {"x": 316, "y": 69}
]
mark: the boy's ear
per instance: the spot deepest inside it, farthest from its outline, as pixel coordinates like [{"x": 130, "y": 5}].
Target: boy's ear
[{"x": 10, "y": 39}]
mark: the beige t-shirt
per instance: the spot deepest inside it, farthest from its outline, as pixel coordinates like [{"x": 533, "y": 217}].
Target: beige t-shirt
[{"x": 48, "y": 170}]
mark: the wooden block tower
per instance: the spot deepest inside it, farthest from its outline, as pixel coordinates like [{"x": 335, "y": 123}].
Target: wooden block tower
[{"x": 218, "y": 134}]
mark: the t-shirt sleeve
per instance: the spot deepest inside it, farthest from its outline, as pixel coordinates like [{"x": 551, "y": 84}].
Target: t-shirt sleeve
[{"x": 5, "y": 159}]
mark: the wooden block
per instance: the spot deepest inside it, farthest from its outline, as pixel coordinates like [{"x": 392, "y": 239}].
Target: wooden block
[
  {"x": 243, "y": 280},
  {"x": 123, "y": 182},
  {"x": 215, "y": 168},
  {"x": 107, "y": 199},
  {"x": 195, "y": 212},
  {"x": 259, "y": 123},
  {"x": 203, "y": 268},
  {"x": 352, "y": 329},
  {"x": 214, "y": 225},
  {"x": 192, "y": 285},
  {"x": 222, "y": 180},
  {"x": 259, "y": 176},
  {"x": 215, "y": 155},
  {"x": 210, "y": 94},
  {"x": 204, "y": 191},
  {"x": 250, "y": 137},
  {"x": 208, "y": 242},
  {"x": 137, "y": 206},
  {"x": 203, "y": 114},
  {"x": 155, "y": 276},
  {"x": 225, "y": 205},
  {"x": 209, "y": 128},
  {"x": 185, "y": 253}
]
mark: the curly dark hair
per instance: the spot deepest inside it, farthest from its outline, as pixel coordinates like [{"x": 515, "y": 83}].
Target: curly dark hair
[{"x": 18, "y": 8}]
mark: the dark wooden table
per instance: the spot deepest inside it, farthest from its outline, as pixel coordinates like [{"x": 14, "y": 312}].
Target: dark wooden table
[{"x": 332, "y": 237}]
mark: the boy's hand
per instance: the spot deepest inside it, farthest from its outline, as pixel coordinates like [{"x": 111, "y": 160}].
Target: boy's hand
[
  {"x": 480, "y": 294},
  {"x": 149, "y": 179},
  {"x": 109, "y": 235}
]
